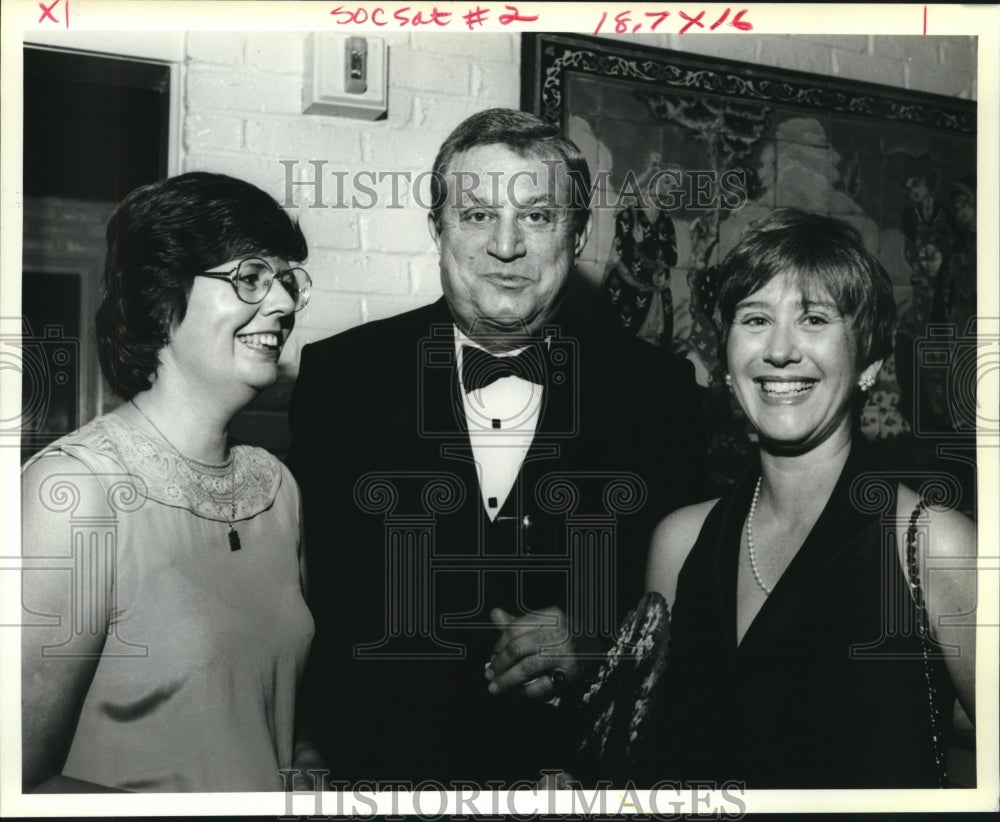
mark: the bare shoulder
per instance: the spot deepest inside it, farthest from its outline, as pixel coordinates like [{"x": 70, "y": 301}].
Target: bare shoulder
[
  {"x": 951, "y": 533},
  {"x": 682, "y": 526},
  {"x": 58, "y": 465},
  {"x": 671, "y": 543},
  {"x": 947, "y": 570}
]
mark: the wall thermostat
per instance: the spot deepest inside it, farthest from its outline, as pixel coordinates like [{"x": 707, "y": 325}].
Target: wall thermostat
[
  {"x": 356, "y": 65},
  {"x": 345, "y": 76}
]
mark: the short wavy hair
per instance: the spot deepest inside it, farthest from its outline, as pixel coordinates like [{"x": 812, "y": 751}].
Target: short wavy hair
[
  {"x": 527, "y": 136},
  {"x": 159, "y": 237},
  {"x": 820, "y": 253}
]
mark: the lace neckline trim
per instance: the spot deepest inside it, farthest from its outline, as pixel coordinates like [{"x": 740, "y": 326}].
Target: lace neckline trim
[{"x": 250, "y": 478}]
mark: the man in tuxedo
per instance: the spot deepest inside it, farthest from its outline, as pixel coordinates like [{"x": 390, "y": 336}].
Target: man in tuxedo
[{"x": 480, "y": 480}]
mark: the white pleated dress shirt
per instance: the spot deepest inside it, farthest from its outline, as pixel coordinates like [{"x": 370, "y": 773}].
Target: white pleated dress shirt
[{"x": 501, "y": 419}]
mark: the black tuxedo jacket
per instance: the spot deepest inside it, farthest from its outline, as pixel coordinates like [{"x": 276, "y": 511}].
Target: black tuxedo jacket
[{"x": 404, "y": 564}]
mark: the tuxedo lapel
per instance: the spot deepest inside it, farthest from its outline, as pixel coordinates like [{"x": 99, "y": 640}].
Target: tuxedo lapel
[
  {"x": 442, "y": 414},
  {"x": 559, "y": 412},
  {"x": 443, "y": 426}
]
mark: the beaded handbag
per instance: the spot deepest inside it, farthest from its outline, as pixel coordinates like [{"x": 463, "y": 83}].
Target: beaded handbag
[{"x": 614, "y": 715}]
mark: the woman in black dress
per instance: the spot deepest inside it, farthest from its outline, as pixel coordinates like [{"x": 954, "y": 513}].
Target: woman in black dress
[{"x": 798, "y": 656}]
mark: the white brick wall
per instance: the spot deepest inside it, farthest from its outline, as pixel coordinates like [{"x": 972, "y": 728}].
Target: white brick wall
[
  {"x": 278, "y": 53},
  {"x": 775, "y": 50},
  {"x": 242, "y": 115},
  {"x": 213, "y": 131},
  {"x": 337, "y": 229},
  {"x": 853, "y": 66},
  {"x": 403, "y": 149},
  {"x": 239, "y": 88},
  {"x": 359, "y": 274},
  {"x": 414, "y": 69},
  {"x": 304, "y": 138},
  {"x": 60, "y": 230},
  {"x": 216, "y": 47}
]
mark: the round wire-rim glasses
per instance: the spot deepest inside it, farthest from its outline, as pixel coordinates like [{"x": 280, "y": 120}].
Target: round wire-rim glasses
[{"x": 253, "y": 277}]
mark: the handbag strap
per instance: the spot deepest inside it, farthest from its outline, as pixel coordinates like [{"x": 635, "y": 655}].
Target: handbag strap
[{"x": 923, "y": 632}]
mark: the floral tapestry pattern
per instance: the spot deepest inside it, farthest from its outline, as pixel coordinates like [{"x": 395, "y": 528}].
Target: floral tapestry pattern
[{"x": 688, "y": 152}]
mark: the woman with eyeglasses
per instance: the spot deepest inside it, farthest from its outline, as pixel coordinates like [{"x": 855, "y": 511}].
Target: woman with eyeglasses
[{"x": 165, "y": 627}]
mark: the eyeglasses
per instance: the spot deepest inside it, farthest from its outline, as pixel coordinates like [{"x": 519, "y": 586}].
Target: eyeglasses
[{"x": 253, "y": 277}]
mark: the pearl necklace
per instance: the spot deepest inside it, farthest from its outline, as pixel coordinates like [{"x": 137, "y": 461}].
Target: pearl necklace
[
  {"x": 750, "y": 548},
  {"x": 234, "y": 536}
]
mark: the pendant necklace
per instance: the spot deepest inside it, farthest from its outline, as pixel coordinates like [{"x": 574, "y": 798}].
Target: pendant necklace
[{"x": 234, "y": 537}]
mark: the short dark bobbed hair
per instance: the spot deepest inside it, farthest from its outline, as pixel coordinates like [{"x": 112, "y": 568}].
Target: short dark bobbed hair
[
  {"x": 159, "y": 237},
  {"x": 821, "y": 254},
  {"x": 527, "y": 136}
]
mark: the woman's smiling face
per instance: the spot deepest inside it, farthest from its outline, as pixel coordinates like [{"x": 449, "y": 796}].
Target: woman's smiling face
[
  {"x": 223, "y": 342},
  {"x": 793, "y": 361}
]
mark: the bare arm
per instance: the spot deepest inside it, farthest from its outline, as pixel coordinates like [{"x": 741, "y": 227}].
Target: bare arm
[
  {"x": 306, "y": 755},
  {"x": 672, "y": 541},
  {"x": 948, "y": 580},
  {"x": 54, "y": 685}
]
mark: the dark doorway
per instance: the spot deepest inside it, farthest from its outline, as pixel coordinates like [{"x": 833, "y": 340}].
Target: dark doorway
[{"x": 95, "y": 127}]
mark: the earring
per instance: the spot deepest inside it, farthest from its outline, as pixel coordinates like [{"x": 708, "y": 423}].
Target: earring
[
  {"x": 866, "y": 382},
  {"x": 729, "y": 382}
]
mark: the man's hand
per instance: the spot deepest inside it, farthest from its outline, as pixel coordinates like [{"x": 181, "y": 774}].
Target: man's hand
[{"x": 536, "y": 658}]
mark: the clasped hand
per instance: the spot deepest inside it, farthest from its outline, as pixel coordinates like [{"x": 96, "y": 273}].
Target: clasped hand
[{"x": 535, "y": 653}]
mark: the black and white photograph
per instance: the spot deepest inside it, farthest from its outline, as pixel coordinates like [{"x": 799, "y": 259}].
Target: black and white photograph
[{"x": 485, "y": 409}]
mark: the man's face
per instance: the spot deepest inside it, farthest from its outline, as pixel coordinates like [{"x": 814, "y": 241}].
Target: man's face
[{"x": 506, "y": 240}]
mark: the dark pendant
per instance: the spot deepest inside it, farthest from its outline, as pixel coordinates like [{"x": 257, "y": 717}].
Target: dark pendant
[{"x": 234, "y": 539}]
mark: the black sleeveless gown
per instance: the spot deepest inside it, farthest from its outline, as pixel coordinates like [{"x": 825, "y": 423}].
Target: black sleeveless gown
[{"x": 827, "y": 688}]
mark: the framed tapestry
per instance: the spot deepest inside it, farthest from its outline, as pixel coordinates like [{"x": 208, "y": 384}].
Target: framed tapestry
[{"x": 687, "y": 151}]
